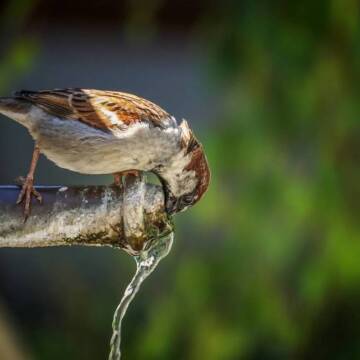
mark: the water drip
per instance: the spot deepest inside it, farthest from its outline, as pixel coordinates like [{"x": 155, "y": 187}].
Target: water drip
[{"x": 146, "y": 263}]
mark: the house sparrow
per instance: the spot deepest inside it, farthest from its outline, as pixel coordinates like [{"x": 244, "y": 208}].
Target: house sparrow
[{"x": 108, "y": 132}]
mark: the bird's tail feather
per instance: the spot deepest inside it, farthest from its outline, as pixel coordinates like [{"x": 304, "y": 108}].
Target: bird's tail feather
[
  {"x": 16, "y": 109},
  {"x": 13, "y": 105}
]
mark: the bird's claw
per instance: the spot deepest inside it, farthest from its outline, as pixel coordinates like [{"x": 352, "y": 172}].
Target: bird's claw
[
  {"x": 27, "y": 191},
  {"x": 120, "y": 176}
]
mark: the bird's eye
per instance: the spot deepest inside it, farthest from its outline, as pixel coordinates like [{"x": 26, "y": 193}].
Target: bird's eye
[{"x": 187, "y": 199}]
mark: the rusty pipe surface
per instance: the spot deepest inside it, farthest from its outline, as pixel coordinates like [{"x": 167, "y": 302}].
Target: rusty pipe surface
[{"x": 129, "y": 217}]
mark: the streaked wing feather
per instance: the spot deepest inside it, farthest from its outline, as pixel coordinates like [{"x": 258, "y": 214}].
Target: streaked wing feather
[{"x": 105, "y": 110}]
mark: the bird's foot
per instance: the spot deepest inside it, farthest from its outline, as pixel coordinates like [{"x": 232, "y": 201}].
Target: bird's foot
[
  {"x": 118, "y": 177},
  {"x": 26, "y": 193}
]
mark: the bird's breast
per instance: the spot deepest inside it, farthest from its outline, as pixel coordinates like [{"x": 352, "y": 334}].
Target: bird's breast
[{"x": 78, "y": 147}]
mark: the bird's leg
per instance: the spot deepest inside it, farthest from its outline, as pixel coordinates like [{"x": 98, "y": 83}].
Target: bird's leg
[
  {"x": 118, "y": 177},
  {"x": 27, "y": 189}
]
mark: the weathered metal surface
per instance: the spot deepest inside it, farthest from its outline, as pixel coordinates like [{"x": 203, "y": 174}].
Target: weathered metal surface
[{"x": 129, "y": 218}]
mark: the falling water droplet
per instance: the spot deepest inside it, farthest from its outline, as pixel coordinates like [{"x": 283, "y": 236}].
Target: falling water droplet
[{"x": 146, "y": 263}]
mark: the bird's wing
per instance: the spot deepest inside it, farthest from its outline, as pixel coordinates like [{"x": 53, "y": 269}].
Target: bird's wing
[{"x": 105, "y": 110}]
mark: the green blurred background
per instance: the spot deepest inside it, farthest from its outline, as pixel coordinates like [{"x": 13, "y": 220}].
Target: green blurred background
[{"x": 267, "y": 265}]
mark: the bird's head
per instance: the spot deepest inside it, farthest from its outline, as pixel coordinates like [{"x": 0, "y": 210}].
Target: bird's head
[{"x": 187, "y": 177}]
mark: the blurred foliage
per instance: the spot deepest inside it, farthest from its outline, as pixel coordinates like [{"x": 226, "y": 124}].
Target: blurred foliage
[
  {"x": 17, "y": 61},
  {"x": 273, "y": 272},
  {"x": 140, "y": 22},
  {"x": 18, "y": 49},
  {"x": 282, "y": 279}
]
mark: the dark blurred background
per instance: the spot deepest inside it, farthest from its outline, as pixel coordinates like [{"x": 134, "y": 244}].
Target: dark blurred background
[{"x": 267, "y": 265}]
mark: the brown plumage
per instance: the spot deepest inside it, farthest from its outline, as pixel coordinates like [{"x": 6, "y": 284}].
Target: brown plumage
[
  {"x": 103, "y": 132},
  {"x": 93, "y": 107}
]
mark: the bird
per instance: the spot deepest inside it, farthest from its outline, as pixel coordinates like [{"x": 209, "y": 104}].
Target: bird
[{"x": 110, "y": 132}]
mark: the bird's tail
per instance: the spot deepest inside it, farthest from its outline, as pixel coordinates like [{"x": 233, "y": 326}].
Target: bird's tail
[
  {"x": 12, "y": 104},
  {"x": 16, "y": 109}
]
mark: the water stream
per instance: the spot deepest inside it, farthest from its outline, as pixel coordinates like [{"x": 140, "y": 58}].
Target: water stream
[{"x": 146, "y": 263}]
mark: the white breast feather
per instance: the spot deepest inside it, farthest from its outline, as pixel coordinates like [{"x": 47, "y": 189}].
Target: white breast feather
[{"x": 81, "y": 148}]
